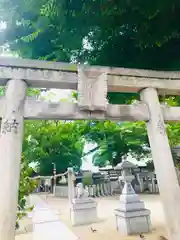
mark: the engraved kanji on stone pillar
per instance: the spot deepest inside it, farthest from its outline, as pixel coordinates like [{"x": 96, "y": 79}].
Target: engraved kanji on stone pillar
[{"x": 92, "y": 89}]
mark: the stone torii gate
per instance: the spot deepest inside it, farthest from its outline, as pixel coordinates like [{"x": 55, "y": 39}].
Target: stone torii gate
[{"x": 92, "y": 84}]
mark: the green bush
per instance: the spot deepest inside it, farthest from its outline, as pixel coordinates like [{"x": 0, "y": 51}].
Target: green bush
[
  {"x": 26, "y": 187},
  {"x": 87, "y": 179}
]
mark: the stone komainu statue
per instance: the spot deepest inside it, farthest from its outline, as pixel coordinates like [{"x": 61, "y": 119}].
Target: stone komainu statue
[{"x": 81, "y": 192}]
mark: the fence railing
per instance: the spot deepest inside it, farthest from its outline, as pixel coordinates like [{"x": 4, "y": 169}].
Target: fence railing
[{"x": 105, "y": 183}]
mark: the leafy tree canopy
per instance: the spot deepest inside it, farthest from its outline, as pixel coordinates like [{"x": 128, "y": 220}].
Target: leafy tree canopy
[
  {"x": 115, "y": 33},
  {"x": 115, "y": 141},
  {"x": 56, "y": 142}
]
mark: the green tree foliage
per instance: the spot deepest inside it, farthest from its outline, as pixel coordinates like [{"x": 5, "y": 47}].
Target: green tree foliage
[
  {"x": 121, "y": 33},
  {"x": 62, "y": 143},
  {"x": 115, "y": 141},
  {"x": 59, "y": 142},
  {"x": 26, "y": 187}
]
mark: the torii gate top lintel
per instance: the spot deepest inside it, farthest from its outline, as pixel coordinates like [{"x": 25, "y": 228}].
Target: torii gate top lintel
[{"x": 44, "y": 74}]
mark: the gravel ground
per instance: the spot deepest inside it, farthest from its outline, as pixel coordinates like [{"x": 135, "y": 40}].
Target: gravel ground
[{"x": 106, "y": 228}]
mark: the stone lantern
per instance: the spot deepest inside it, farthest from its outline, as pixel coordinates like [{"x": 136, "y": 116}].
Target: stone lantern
[{"x": 131, "y": 216}]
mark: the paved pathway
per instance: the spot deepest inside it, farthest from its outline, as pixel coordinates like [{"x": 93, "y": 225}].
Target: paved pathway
[{"x": 46, "y": 223}]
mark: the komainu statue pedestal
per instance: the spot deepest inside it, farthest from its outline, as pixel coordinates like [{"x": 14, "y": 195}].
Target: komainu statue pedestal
[{"x": 83, "y": 208}]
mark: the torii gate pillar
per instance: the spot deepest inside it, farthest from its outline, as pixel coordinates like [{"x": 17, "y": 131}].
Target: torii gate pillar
[
  {"x": 163, "y": 162},
  {"x": 10, "y": 156}
]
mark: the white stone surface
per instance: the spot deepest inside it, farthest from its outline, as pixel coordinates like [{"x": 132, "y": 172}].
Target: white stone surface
[
  {"x": 83, "y": 211},
  {"x": 131, "y": 216},
  {"x": 71, "y": 190},
  {"x": 163, "y": 162},
  {"x": 10, "y": 156},
  {"x": 130, "y": 223},
  {"x": 132, "y": 206},
  {"x": 92, "y": 89},
  {"x": 61, "y": 191},
  {"x": 46, "y": 224},
  {"x": 43, "y": 74},
  {"x": 38, "y": 109}
]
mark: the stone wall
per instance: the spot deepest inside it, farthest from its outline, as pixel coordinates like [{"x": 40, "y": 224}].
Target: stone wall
[{"x": 108, "y": 184}]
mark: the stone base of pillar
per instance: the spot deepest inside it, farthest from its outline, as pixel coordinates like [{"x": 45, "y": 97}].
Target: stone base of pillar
[
  {"x": 134, "y": 222},
  {"x": 83, "y": 211},
  {"x": 131, "y": 217}
]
